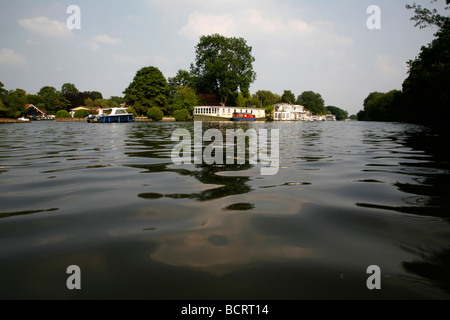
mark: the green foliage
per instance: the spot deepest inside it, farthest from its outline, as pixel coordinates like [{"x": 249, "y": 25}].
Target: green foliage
[
  {"x": 155, "y": 114},
  {"x": 381, "y": 106},
  {"x": 288, "y": 97},
  {"x": 339, "y": 113},
  {"x": 63, "y": 114},
  {"x": 81, "y": 114},
  {"x": 426, "y": 93},
  {"x": 223, "y": 66},
  {"x": 52, "y": 99},
  {"x": 14, "y": 102},
  {"x": 149, "y": 88},
  {"x": 96, "y": 95},
  {"x": 425, "y": 17},
  {"x": 131, "y": 110},
  {"x": 183, "y": 78},
  {"x": 69, "y": 89},
  {"x": 181, "y": 115},
  {"x": 89, "y": 102},
  {"x": 313, "y": 102},
  {"x": 267, "y": 98},
  {"x": 115, "y": 102},
  {"x": 184, "y": 98}
]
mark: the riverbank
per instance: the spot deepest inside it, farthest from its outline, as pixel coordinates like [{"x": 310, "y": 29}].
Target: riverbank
[
  {"x": 5, "y": 120},
  {"x": 135, "y": 120}
]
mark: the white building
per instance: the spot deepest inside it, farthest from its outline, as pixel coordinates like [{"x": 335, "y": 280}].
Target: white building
[
  {"x": 289, "y": 112},
  {"x": 223, "y": 113}
]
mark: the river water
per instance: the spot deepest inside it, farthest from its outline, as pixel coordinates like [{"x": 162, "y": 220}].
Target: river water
[{"x": 110, "y": 200}]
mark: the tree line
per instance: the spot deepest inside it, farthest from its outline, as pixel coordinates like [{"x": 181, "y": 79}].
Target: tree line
[
  {"x": 50, "y": 100},
  {"x": 425, "y": 94},
  {"x": 221, "y": 74}
]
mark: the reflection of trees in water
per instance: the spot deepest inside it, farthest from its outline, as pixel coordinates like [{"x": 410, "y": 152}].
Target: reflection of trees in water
[
  {"x": 432, "y": 188},
  {"x": 434, "y": 176},
  {"x": 434, "y": 266},
  {"x": 427, "y": 162},
  {"x": 207, "y": 175},
  {"x": 155, "y": 144}
]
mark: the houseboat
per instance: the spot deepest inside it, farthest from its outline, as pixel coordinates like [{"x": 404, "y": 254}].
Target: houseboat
[
  {"x": 113, "y": 115},
  {"x": 223, "y": 113},
  {"x": 243, "y": 117}
]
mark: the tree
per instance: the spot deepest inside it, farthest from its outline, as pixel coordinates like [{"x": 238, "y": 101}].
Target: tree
[
  {"x": 115, "y": 102},
  {"x": 338, "y": 112},
  {"x": 425, "y": 91},
  {"x": 52, "y": 99},
  {"x": 267, "y": 98},
  {"x": 381, "y": 106},
  {"x": 425, "y": 17},
  {"x": 14, "y": 101},
  {"x": 183, "y": 78},
  {"x": 149, "y": 88},
  {"x": 312, "y": 101},
  {"x": 69, "y": 89},
  {"x": 288, "y": 97},
  {"x": 184, "y": 98},
  {"x": 89, "y": 102},
  {"x": 96, "y": 95},
  {"x": 223, "y": 66}
]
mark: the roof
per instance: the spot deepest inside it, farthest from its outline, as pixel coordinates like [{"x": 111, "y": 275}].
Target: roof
[
  {"x": 85, "y": 108},
  {"x": 28, "y": 106}
]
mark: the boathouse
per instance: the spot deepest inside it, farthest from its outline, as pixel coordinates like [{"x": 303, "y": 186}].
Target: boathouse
[{"x": 33, "y": 112}]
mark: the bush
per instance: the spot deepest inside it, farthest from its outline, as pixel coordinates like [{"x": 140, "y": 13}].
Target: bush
[
  {"x": 81, "y": 114},
  {"x": 131, "y": 110},
  {"x": 63, "y": 114},
  {"x": 181, "y": 115},
  {"x": 155, "y": 114}
]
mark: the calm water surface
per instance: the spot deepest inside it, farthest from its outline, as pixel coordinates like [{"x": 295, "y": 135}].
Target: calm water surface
[{"x": 108, "y": 199}]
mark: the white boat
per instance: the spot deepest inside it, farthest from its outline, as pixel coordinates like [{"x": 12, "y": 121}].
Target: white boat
[
  {"x": 23, "y": 119},
  {"x": 116, "y": 115}
]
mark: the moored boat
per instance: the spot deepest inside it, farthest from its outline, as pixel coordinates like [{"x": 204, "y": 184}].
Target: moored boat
[
  {"x": 117, "y": 115},
  {"x": 243, "y": 117}
]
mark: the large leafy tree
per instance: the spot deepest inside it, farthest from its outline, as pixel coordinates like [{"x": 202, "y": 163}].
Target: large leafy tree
[
  {"x": 426, "y": 89},
  {"x": 425, "y": 17},
  {"x": 313, "y": 101},
  {"x": 69, "y": 88},
  {"x": 223, "y": 66},
  {"x": 148, "y": 89},
  {"x": 52, "y": 99},
  {"x": 338, "y": 112},
  {"x": 288, "y": 97},
  {"x": 184, "y": 98},
  {"x": 380, "y": 106},
  {"x": 267, "y": 98},
  {"x": 14, "y": 102},
  {"x": 183, "y": 78}
]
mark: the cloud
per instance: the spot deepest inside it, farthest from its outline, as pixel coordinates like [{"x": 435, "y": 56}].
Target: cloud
[
  {"x": 204, "y": 24},
  {"x": 10, "y": 58},
  {"x": 103, "y": 38},
  {"x": 159, "y": 61},
  {"x": 94, "y": 43},
  {"x": 384, "y": 64},
  {"x": 45, "y": 27}
]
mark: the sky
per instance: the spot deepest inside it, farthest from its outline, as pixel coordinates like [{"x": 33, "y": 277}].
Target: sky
[{"x": 299, "y": 45}]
